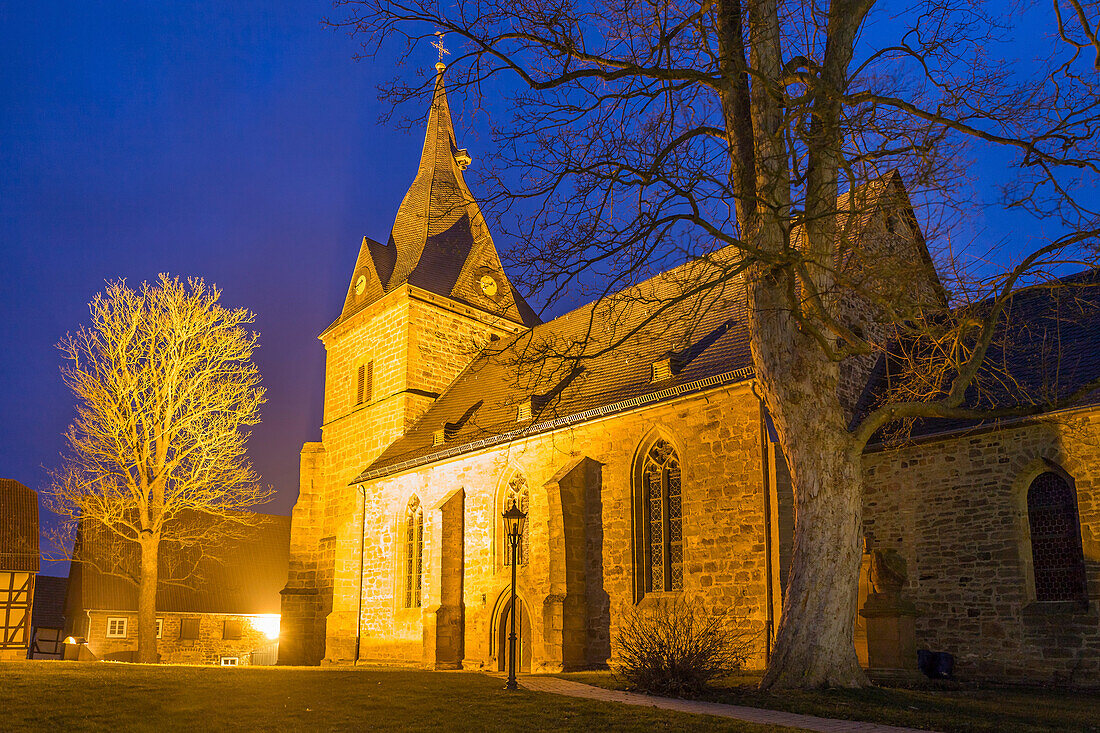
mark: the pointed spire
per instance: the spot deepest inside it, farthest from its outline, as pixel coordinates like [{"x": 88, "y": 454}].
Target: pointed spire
[
  {"x": 439, "y": 241},
  {"x": 438, "y": 197}
]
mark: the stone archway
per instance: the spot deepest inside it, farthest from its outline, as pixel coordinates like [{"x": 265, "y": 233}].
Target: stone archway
[{"x": 523, "y": 636}]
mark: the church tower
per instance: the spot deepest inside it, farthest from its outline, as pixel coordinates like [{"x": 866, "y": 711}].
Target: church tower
[{"x": 418, "y": 309}]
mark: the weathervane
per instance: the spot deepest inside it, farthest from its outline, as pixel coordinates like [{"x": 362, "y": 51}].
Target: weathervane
[{"x": 439, "y": 45}]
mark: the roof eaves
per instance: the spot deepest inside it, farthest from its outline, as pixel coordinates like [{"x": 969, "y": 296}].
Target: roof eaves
[{"x": 738, "y": 375}]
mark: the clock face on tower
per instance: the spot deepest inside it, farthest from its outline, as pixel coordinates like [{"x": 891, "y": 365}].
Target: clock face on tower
[
  {"x": 488, "y": 285},
  {"x": 360, "y": 284}
]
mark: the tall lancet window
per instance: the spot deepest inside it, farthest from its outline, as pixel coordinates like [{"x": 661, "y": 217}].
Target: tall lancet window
[
  {"x": 414, "y": 552},
  {"x": 660, "y": 520},
  {"x": 516, "y": 492},
  {"x": 1058, "y": 560}
]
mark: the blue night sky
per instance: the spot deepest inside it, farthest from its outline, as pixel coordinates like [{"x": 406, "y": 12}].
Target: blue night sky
[{"x": 235, "y": 141}]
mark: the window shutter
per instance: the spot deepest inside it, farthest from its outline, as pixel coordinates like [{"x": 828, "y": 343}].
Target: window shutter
[
  {"x": 231, "y": 629},
  {"x": 361, "y": 383},
  {"x": 189, "y": 628},
  {"x": 368, "y": 390}
]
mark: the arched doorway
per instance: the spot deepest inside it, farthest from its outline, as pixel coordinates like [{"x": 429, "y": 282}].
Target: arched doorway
[{"x": 523, "y": 637}]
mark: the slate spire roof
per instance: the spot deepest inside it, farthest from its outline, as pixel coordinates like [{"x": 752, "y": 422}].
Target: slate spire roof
[{"x": 439, "y": 240}]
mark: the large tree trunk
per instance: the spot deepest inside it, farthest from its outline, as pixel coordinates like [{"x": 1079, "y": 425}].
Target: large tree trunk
[
  {"x": 813, "y": 646},
  {"x": 147, "y": 598}
]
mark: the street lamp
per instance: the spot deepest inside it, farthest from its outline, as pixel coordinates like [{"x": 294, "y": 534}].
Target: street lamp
[{"x": 514, "y": 519}]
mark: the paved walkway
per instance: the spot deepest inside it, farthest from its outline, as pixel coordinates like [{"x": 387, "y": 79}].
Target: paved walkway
[{"x": 558, "y": 686}]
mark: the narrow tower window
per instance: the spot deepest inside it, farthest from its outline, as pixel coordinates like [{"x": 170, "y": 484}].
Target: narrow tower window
[
  {"x": 660, "y": 520},
  {"x": 364, "y": 383},
  {"x": 1057, "y": 557},
  {"x": 414, "y": 552}
]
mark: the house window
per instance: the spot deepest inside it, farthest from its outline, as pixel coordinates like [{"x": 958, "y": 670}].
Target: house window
[
  {"x": 414, "y": 552},
  {"x": 230, "y": 661},
  {"x": 160, "y": 627},
  {"x": 231, "y": 629},
  {"x": 516, "y": 493},
  {"x": 659, "y": 520},
  {"x": 116, "y": 627},
  {"x": 189, "y": 628},
  {"x": 1058, "y": 561},
  {"x": 364, "y": 383}
]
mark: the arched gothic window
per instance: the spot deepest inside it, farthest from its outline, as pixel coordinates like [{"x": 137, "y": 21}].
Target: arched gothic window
[
  {"x": 659, "y": 520},
  {"x": 414, "y": 552},
  {"x": 1058, "y": 561},
  {"x": 516, "y": 492}
]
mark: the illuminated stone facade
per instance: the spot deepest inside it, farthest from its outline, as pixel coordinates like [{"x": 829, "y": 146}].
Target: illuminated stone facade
[
  {"x": 578, "y": 578},
  {"x": 401, "y": 489}
]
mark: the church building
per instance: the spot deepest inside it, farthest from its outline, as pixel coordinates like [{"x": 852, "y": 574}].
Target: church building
[{"x": 649, "y": 472}]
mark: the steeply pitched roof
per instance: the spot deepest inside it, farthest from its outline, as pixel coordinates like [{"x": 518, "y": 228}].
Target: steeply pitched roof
[
  {"x": 706, "y": 330},
  {"x": 49, "y": 602},
  {"x": 439, "y": 241},
  {"x": 240, "y": 575},
  {"x": 704, "y": 335},
  {"x": 1047, "y": 348},
  {"x": 18, "y": 527}
]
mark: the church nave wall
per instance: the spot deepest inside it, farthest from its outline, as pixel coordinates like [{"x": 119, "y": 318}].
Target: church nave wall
[{"x": 580, "y": 574}]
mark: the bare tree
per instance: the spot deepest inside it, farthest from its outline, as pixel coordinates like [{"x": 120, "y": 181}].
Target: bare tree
[
  {"x": 165, "y": 388},
  {"x": 645, "y": 133}
]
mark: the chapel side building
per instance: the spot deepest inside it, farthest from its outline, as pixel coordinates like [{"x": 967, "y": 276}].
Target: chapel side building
[
  {"x": 999, "y": 521},
  {"x": 649, "y": 475}
]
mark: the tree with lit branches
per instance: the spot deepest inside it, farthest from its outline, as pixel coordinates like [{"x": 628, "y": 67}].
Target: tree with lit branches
[{"x": 165, "y": 389}]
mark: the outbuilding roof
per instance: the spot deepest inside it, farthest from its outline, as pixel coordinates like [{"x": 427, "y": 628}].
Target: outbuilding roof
[
  {"x": 243, "y": 574},
  {"x": 18, "y": 527}
]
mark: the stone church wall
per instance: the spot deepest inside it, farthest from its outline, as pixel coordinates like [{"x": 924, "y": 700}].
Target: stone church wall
[
  {"x": 956, "y": 510},
  {"x": 417, "y": 344},
  {"x": 580, "y": 578}
]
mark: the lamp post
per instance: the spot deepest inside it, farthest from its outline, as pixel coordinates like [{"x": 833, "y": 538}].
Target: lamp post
[{"x": 514, "y": 519}]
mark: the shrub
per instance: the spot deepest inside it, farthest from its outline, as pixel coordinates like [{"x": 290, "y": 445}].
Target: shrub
[{"x": 675, "y": 648}]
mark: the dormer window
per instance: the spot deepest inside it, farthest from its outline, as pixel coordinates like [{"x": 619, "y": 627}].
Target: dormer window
[
  {"x": 523, "y": 414},
  {"x": 463, "y": 159},
  {"x": 662, "y": 370}
]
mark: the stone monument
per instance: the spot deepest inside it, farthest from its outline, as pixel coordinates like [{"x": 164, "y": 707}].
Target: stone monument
[{"x": 891, "y": 631}]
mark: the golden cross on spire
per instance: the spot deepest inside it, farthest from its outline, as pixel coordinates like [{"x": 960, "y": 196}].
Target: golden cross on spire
[{"x": 439, "y": 45}]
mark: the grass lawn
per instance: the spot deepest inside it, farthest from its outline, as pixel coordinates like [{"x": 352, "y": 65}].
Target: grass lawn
[
  {"x": 67, "y": 696},
  {"x": 996, "y": 710}
]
